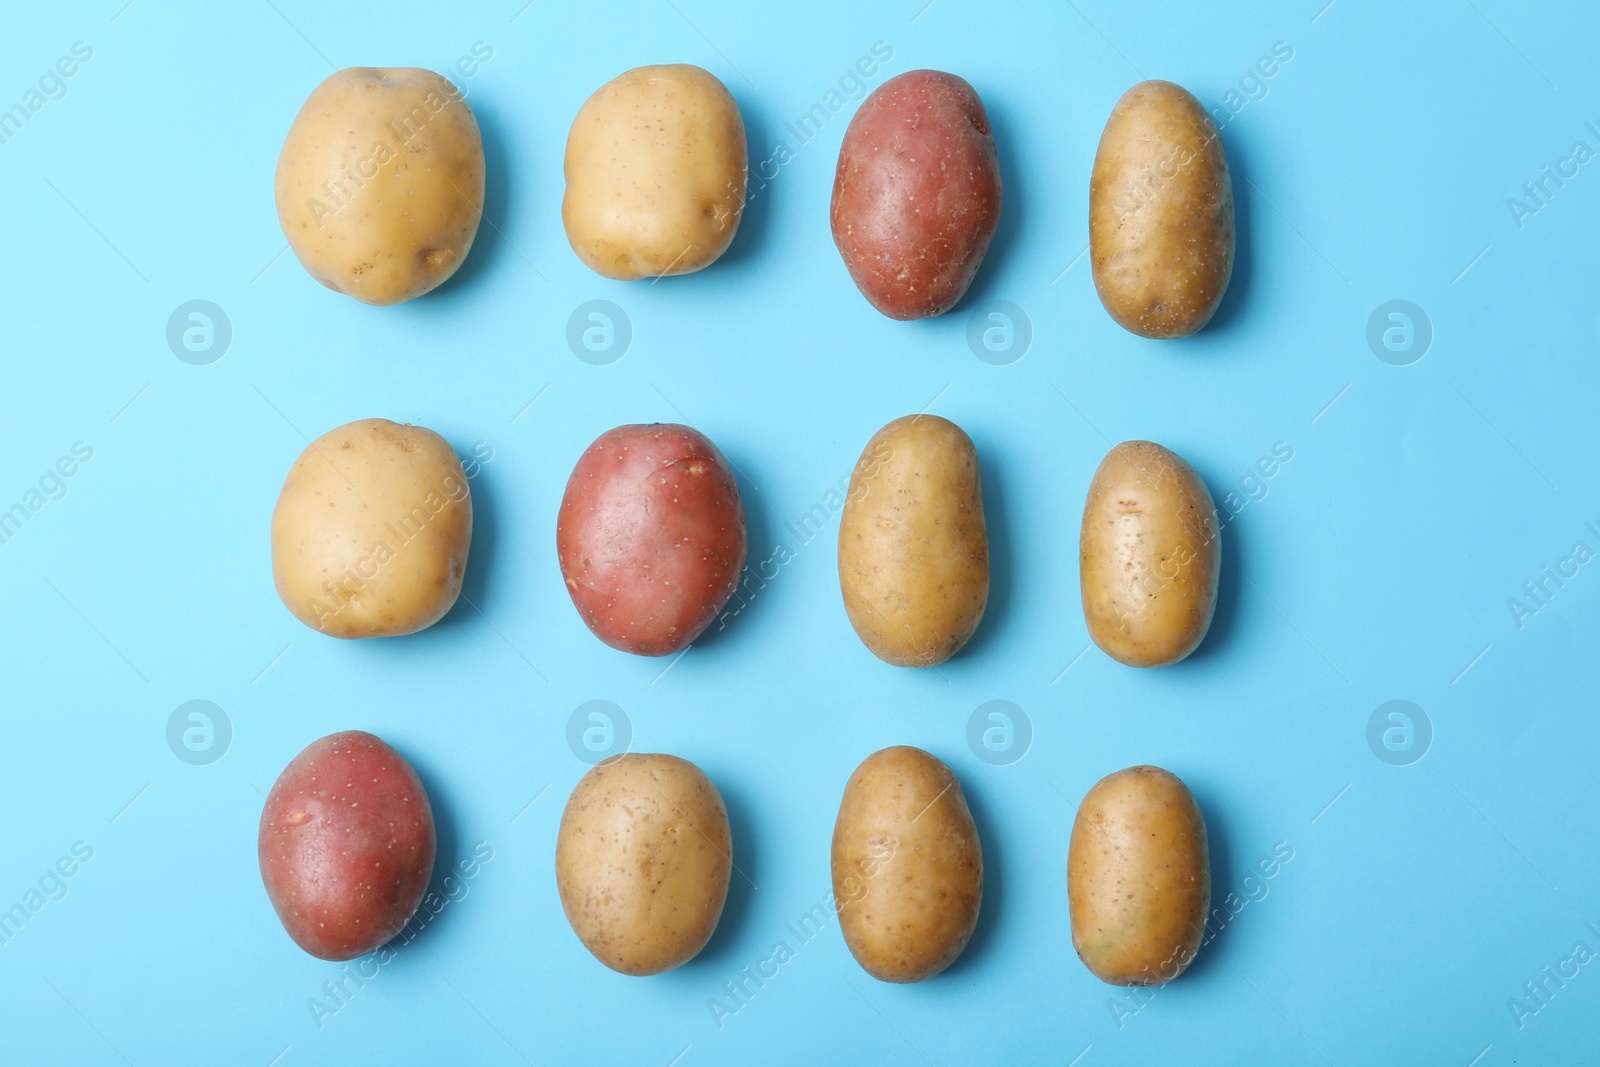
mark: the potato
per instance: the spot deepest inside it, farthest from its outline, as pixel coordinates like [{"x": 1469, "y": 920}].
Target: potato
[
  {"x": 913, "y": 548},
  {"x": 907, "y": 866},
  {"x": 1149, "y": 556},
  {"x": 1138, "y": 877},
  {"x": 371, "y": 531},
  {"x": 643, "y": 859},
  {"x": 916, "y": 196},
  {"x": 651, "y": 537},
  {"x": 346, "y": 845},
  {"x": 1161, "y": 228},
  {"x": 380, "y": 182},
  {"x": 656, "y": 171}
]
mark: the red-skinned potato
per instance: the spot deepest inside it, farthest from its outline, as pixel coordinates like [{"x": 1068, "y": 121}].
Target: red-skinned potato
[
  {"x": 651, "y": 537},
  {"x": 916, "y": 197},
  {"x": 346, "y": 845}
]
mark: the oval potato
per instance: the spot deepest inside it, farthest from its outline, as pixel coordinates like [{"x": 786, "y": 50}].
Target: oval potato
[
  {"x": 651, "y": 536},
  {"x": 656, "y": 171},
  {"x": 1138, "y": 877},
  {"x": 371, "y": 531},
  {"x": 916, "y": 194},
  {"x": 380, "y": 182},
  {"x": 907, "y": 866},
  {"x": 1161, "y": 229},
  {"x": 913, "y": 546},
  {"x": 643, "y": 860},
  {"x": 1149, "y": 556},
  {"x": 346, "y": 845}
]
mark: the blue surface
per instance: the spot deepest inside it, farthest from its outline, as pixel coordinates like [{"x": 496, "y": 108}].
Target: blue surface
[{"x": 1376, "y": 565}]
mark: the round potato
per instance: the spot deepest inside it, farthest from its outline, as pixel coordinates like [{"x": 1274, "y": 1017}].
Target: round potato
[
  {"x": 1138, "y": 877},
  {"x": 346, "y": 845},
  {"x": 643, "y": 859},
  {"x": 916, "y": 196},
  {"x": 651, "y": 537},
  {"x": 656, "y": 171},
  {"x": 907, "y": 866},
  {"x": 1161, "y": 230},
  {"x": 1149, "y": 556},
  {"x": 913, "y": 547},
  {"x": 371, "y": 531},
  {"x": 380, "y": 182}
]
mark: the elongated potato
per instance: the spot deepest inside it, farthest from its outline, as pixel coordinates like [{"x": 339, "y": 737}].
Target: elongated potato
[
  {"x": 917, "y": 193},
  {"x": 1149, "y": 556},
  {"x": 1161, "y": 230},
  {"x": 1138, "y": 877},
  {"x": 913, "y": 547},
  {"x": 907, "y": 866},
  {"x": 656, "y": 173},
  {"x": 643, "y": 859}
]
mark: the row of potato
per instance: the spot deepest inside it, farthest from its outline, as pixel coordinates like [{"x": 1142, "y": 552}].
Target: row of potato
[
  {"x": 380, "y": 190},
  {"x": 645, "y": 855},
  {"x": 373, "y": 527}
]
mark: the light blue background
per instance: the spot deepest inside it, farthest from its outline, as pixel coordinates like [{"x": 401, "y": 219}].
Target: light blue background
[{"x": 1379, "y": 565}]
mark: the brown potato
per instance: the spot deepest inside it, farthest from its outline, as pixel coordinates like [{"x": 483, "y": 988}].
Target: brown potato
[
  {"x": 1161, "y": 230},
  {"x": 1138, "y": 877},
  {"x": 917, "y": 195},
  {"x": 643, "y": 859},
  {"x": 907, "y": 866},
  {"x": 1148, "y": 557},
  {"x": 913, "y": 547},
  {"x": 651, "y": 536},
  {"x": 346, "y": 845}
]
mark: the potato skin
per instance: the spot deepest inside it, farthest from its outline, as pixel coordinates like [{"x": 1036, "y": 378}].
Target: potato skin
[
  {"x": 651, "y": 536},
  {"x": 643, "y": 860},
  {"x": 380, "y": 182},
  {"x": 346, "y": 845},
  {"x": 1161, "y": 229},
  {"x": 913, "y": 546},
  {"x": 907, "y": 866},
  {"x": 371, "y": 532},
  {"x": 1149, "y": 556},
  {"x": 917, "y": 193},
  {"x": 1138, "y": 877},
  {"x": 656, "y": 167}
]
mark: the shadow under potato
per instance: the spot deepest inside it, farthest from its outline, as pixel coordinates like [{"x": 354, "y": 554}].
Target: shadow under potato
[
  {"x": 1230, "y": 582},
  {"x": 752, "y": 583},
  {"x": 990, "y": 908},
  {"x": 1221, "y": 852},
  {"x": 421, "y": 925},
  {"x": 489, "y": 246},
  {"x": 721, "y": 950},
  {"x": 997, "y": 527},
  {"x": 1230, "y": 311},
  {"x": 1012, "y": 199}
]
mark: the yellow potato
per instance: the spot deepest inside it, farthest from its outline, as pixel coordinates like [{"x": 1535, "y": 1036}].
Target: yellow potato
[
  {"x": 907, "y": 866},
  {"x": 1149, "y": 556},
  {"x": 643, "y": 859},
  {"x": 1138, "y": 877},
  {"x": 371, "y": 531},
  {"x": 913, "y": 548},
  {"x": 656, "y": 170},
  {"x": 380, "y": 183},
  {"x": 1161, "y": 230}
]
